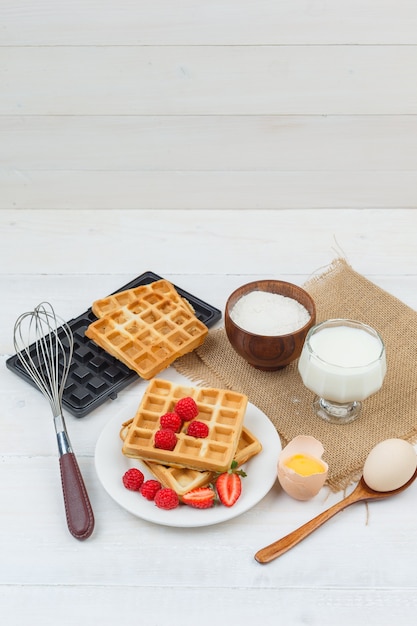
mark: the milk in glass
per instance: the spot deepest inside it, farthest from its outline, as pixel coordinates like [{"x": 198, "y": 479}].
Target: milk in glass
[{"x": 343, "y": 362}]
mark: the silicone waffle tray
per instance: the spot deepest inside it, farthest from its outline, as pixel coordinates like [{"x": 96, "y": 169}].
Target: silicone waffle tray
[{"x": 95, "y": 375}]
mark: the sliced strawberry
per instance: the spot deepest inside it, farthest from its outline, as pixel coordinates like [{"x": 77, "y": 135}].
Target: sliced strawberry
[
  {"x": 229, "y": 485},
  {"x": 200, "y": 498}
]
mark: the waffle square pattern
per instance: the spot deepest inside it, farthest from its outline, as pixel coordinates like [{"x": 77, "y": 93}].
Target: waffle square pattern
[
  {"x": 222, "y": 410},
  {"x": 184, "y": 479},
  {"x": 147, "y": 327}
]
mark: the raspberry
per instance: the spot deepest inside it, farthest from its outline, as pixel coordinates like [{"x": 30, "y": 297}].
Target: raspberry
[
  {"x": 150, "y": 488},
  {"x": 133, "y": 479},
  {"x": 171, "y": 421},
  {"x": 166, "y": 499},
  {"x": 186, "y": 408},
  {"x": 197, "y": 429},
  {"x": 165, "y": 439}
]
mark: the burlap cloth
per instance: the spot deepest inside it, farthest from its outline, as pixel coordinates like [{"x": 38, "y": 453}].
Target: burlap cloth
[{"x": 338, "y": 292}]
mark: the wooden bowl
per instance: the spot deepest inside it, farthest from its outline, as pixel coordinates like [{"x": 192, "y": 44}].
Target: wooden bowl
[{"x": 267, "y": 352}]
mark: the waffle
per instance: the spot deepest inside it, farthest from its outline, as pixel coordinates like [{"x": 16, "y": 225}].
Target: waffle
[
  {"x": 222, "y": 410},
  {"x": 146, "y": 328},
  {"x": 182, "y": 480},
  {"x": 162, "y": 288}
]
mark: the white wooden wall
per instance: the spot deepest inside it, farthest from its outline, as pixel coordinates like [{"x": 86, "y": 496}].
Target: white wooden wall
[{"x": 200, "y": 104}]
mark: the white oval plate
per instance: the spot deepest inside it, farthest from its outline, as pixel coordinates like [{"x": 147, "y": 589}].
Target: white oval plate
[{"x": 261, "y": 471}]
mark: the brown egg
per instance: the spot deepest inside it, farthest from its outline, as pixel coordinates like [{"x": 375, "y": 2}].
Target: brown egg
[{"x": 301, "y": 470}]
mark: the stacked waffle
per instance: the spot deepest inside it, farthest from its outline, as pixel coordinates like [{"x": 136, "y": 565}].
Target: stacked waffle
[
  {"x": 147, "y": 327},
  {"x": 194, "y": 461}
]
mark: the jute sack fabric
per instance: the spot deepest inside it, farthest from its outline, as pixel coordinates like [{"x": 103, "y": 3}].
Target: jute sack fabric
[{"x": 338, "y": 292}]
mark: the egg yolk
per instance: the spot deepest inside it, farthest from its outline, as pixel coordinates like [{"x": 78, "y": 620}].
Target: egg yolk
[{"x": 304, "y": 465}]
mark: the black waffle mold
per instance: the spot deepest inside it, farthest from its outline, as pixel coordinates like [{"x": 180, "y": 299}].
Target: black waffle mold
[{"x": 95, "y": 376}]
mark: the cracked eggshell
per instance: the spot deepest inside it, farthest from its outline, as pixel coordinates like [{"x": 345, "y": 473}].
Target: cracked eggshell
[{"x": 295, "y": 485}]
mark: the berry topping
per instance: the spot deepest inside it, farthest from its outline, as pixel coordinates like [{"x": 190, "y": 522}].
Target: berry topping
[
  {"x": 229, "y": 485},
  {"x": 133, "y": 479},
  {"x": 150, "y": 488},
  {"x": 165, "y": 439},
  {"x": 166, "y": 499},
  {"x": 172, "y": 421},
  {"x": 186, "y": 408},
  {"x": 197, "y": 429},
  {"x": 200, "y": 498}
]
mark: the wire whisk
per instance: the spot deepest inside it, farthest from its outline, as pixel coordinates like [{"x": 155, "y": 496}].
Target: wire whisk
[{"x": 44, "y": 344}]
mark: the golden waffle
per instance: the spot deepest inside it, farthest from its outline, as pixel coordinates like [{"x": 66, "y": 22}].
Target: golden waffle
[
  {"x": 222, "y": 410},
  {"x": 123, "y": 298},
  {"x": 184, "y": 479},
  {"x": 146, "y": 328}
]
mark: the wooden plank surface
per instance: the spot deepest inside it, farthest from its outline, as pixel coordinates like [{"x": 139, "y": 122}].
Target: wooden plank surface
[
  {"x": 298, "y": 242},
  {"x": 73, "y": 256},
  {"x": 158, "y": 106},
  {"x": 197, "y": 22},
  {"x": 213, "y": 143},
  {"x": 190, "y": 80},
  {"x": 194, "y": 143},
  {"x": 206, "y": 190}
]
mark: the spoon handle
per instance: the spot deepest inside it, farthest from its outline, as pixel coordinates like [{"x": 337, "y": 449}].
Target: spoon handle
[{"x": 274, "y": 550}]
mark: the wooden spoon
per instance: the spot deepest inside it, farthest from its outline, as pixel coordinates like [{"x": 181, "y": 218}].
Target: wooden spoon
[{"x": 360, "y": 494}]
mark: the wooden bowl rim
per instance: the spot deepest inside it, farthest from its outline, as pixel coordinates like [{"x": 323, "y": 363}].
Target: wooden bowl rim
[{"x": 254, "y": 286}]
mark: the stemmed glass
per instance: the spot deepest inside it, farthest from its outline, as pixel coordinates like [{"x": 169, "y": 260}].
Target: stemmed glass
[{"x": 342, "y": 361}]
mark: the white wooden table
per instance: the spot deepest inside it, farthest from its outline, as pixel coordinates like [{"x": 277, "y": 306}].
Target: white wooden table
[
  {"x": 360, "y": 567},
  {"x": 212, "y": 143}
]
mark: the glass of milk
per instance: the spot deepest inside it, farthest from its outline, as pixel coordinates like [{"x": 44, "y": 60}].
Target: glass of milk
[{"x": 343, "y": 362}]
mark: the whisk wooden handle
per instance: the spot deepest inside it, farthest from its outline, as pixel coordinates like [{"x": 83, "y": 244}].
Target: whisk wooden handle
[{"x": 80, "y": 517}]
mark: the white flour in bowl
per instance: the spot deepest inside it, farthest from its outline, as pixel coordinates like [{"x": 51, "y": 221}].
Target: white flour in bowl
[{"x": 265, "y": 313}]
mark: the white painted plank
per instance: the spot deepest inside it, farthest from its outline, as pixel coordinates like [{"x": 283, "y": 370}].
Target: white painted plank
[
  {"x": 209, "y": 80},
  {"x": 316, "y": 607},
  {"x": 303, "y": 110},
  {"x": 196, "y": 143},
  {"x": 203, "y": 242},
  {"x": 72, "y": 294},
  {"x": 143, "y": 546},
  {"x": 197, "y": 22},
  {"x": 207, "y": 190},
  {"x": 142, "y": 556},
  {"x": 130, "y": 566}
]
